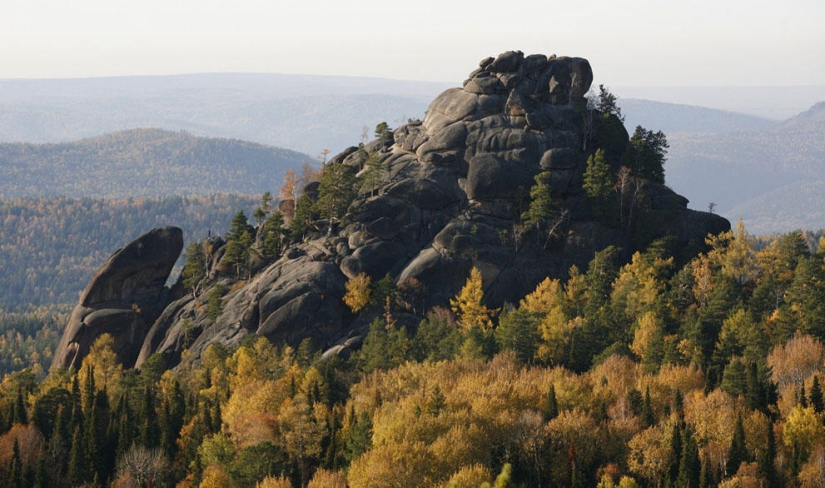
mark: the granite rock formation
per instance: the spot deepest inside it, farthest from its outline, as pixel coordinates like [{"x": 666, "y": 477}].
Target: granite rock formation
[
  {"x": 451, "y": 194},
  {"x": 124, "y": 298}
]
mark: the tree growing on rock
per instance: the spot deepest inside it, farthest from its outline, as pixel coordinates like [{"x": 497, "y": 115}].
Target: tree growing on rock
[
  {"x": 336, "y": 192},
  {"x": 543, "y": 215},
  {"x": 194, "y": 271},
  {"x": 597, "y": 183},
  {"x": 238, "y": 242},
  {"x": 645, "y": 154}
]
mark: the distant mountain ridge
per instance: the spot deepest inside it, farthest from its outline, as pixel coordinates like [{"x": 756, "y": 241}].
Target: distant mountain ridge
[
  {"x": 748, "y": 173},
  {"x": 143, "y": 163}
]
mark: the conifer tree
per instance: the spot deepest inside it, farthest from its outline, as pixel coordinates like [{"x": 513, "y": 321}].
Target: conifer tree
[
  {"x": 149, "y": 435},
  {"x": 691, "y": 470},
  {"x": 78, "y": 462},
  {"x": 816, "y": 396},
  {"x": 238, "y": 242},
  {"x": 16, "y": 467},
  {"x": 273, "y": 233},
  {"x": 551, "y": 407},
  {"x": 194, "y": 271},
  {"x": 738, "y": 452},
  {"x": 648, "y": 418},
  {"x": 336, "y": 191},
  {"x": 598, "y": 185},
  {"x": 542, "y": 208}
]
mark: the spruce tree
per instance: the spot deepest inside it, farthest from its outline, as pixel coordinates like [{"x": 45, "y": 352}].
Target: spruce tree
[
  {"x": 551, "y": 407},
  {"x": 78, "y": 462},
  {"x": 149, "y": 435},
  {"x": 16, "y": 467},
  {"x": 738, "y": 452},
  {"x": 648, "y": 418},
  {"x": 690, "y": 472},
  {"x": 816, "y": 396}
]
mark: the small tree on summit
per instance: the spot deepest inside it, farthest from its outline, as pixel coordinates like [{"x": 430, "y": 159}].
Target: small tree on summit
[{"x": 645, "y": 154}]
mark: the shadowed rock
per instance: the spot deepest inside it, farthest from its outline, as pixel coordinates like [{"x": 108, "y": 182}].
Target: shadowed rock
[{"x": 124, "y": 298}]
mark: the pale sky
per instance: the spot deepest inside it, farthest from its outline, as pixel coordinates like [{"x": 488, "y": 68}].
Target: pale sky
[{"x": 629, "y": 43}]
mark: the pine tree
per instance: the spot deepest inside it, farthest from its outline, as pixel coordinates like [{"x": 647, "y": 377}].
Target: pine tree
[
  {"x": 645, "y": 154},
  {"x": 194, "y": 271},
  {"x": 273, "y": 232},
  {"x": 336, "y": 191},
  {"x": 238, "y": 242},
  {"x": 542, "y": 208},
  {"x": 598, "y": 184}
]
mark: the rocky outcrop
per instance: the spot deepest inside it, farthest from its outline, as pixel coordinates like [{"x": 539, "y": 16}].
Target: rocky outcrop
[
  {"x": 124, "y": 298},
  {"x": 450, "y": 195}
]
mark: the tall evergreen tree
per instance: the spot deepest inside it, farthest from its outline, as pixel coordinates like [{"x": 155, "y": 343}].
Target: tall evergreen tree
[
  {"x": 79, "y": 472},
  {"x": 149, "y": 435},
  {"x": 816, "y": 396},
  {"x": 738, "y": 452},
  {"x": 690, "y": 468}
]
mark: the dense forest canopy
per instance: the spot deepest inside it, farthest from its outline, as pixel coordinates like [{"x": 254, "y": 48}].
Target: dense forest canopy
[
  {"x": 644, "y": 374},
  {"x": 51, "y": 246}
]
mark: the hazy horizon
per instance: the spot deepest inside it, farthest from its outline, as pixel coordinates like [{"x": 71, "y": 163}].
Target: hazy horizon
[{"x": 637, "y": 43}]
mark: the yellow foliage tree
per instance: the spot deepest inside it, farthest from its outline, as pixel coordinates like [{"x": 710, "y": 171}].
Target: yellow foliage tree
[
  {"x": 358, "y": 289},
  {"x": 546, "y": 296},
  {"x": 467, "y": 304}
]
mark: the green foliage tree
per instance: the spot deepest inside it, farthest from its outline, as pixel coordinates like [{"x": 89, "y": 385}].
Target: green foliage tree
[
  {"x": 336, "y": 191},
  {"x": 214, "y": 303},
  {"x": 273, "y": 234},
  {"x": 598, "y": 184},
  {"x": 606, "y": 103},
  {"x": 238, "y": 243},
  {"x": 194, "y": 271},
  {"x": 645, "y": 154},
  {"x": 372, "y": 174},
  {"x": 383, "y": 131},
  {"x": 543, "y": 209}
]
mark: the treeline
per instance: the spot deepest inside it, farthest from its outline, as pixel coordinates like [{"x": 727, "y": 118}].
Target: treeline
[
  {"x": 142, "y": 163},
  {"x": 643, "y": 374},
  {"x": 51, "y": 246}
]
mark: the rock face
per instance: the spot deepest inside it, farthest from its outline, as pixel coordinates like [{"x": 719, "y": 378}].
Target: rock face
[
  {"x": 451, "y": 194},
  {"x": 124, "y": 298}
]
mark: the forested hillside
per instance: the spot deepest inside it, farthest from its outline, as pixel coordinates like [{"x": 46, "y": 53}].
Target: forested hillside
[
  {"x": 644, "y": 374},
  {"x": 143, "y": 163},
  {"x": 51, "y": 246},
  {"x": 769, "y": 177}
]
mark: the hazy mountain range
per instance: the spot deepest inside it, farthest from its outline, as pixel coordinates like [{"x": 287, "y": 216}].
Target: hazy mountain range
[{"x": 736, "y": 151}]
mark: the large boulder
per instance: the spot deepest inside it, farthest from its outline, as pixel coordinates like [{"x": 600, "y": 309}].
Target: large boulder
[{"x": 123, "y": 298}]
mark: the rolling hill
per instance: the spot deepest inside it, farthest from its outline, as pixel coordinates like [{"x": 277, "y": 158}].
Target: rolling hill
[{"x": 143, "y": 163}]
